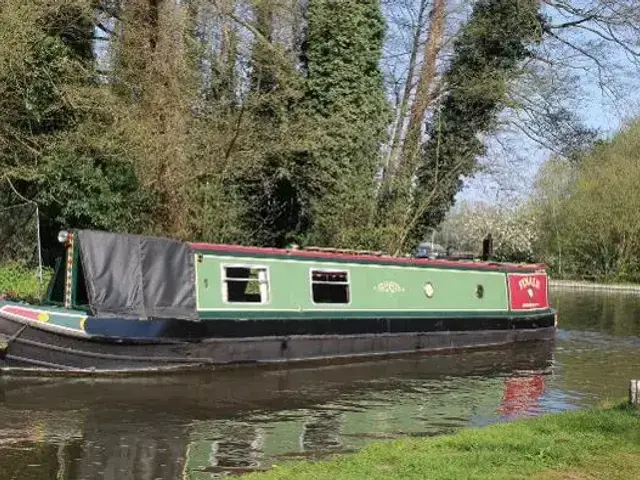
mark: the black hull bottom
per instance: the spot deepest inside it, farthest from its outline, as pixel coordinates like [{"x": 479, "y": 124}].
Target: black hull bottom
[{"x": 26, "y": 347}]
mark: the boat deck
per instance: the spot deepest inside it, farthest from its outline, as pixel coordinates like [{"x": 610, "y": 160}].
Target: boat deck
[{"x": 336, "y": 255}]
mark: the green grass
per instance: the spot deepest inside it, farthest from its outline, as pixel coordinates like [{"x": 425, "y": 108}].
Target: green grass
[
  {"x": 18, "y": 281},
  {"x": 586, "y": 444}
]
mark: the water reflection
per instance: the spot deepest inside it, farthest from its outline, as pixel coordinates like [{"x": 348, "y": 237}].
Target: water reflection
[
  {"x": 201, "y": 426},
  {"x": 604, "y": 312},
  {"x": 598, "y": 346},
  {"x": 522, "y": 396}
]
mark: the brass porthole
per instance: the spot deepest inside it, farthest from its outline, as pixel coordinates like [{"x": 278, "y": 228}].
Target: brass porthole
[
  {"x": 480, "y": 291},
  {"x": 428, "y": 289}
]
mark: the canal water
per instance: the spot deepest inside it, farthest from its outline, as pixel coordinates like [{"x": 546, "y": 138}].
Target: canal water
[{"x": 204, "y": 426}]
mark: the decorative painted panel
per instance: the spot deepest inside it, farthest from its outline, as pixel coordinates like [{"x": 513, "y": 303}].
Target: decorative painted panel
[{"x": 528, "y": 291}]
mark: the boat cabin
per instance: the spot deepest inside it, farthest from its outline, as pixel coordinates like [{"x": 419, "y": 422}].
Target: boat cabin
[{"x": 126, "y": 275}]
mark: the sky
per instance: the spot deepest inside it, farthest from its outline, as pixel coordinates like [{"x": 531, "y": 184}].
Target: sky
[
  {"x": 596, "y": 109},
  {"x": 509, "y": 181}
]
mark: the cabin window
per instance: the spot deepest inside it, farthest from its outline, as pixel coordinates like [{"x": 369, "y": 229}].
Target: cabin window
[
  {"x": 246, "y": 284},
  {"x": 329, "y": 286}
]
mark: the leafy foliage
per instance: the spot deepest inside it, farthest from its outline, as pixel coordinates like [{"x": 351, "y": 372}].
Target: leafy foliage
[
  {"x": 486, "y": 58},
  {"x": 274, "y": 205},
  {"x": 345, "y": 102},
  {"x": 56, "y": 142},
  {"x": 513, "y": 229},
  {"x": 18, "y": 281},
  {"x": 589, "y": 217},
  {"x": 83, "y": 185},
  {"x": 248, "y": 121}
]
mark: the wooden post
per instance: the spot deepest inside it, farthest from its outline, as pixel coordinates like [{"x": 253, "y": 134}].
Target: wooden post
[{"x": 634, "y": 392}]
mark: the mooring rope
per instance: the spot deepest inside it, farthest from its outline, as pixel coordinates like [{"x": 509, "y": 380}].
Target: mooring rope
[{"x": 5, "y": 344}]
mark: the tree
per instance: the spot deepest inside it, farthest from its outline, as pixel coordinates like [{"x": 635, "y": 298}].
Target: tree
[
  {"x": 267, "y": 121},
  {"x": 552, "y": 189},
  {"x": 423, "y": 95},
  {"x": 403, "y": 103},
  {"x": 587, "y": 61},
  {"x": 588, "y": 211},
  {"x": 56, "y": 146},
  {"x": 346, "y": 107},
  {"x": 270, "y": 186},
  {"x": 486, "y": 57},
  {"x": 398, "y": 179},
  {"x": 512, "y": 227}
]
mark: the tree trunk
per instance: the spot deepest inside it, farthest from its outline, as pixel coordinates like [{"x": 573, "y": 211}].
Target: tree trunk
[
  {"x": 406, "y": 166},
  {"x": 406, "y": 96}
]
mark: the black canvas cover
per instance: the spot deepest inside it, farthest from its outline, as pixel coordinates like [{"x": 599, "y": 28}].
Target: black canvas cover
[{"x": 138, "y": 277}]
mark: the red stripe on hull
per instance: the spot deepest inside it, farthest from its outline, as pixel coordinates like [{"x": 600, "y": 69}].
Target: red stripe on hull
[{"x": 21, "y": 312}]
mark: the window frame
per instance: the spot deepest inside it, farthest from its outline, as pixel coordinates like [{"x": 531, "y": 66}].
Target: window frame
[
  {"x": 251, "y": 266},
  {"x": 330, "y": 270}
]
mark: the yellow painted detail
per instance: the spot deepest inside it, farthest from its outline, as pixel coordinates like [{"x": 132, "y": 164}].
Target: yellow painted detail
[
  {"x": 83, "y": 320},
  {"x": 43, "y": 317},
  {"x": 39, "y": 431}
]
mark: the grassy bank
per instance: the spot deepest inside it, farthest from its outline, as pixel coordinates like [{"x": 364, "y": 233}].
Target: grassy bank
[
  {"x": 588, "y": 444},
  {"x": 20, "y": 281}
]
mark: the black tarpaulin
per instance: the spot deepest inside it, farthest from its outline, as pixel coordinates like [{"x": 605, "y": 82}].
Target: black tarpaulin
[{"x": 134, "y": 276}]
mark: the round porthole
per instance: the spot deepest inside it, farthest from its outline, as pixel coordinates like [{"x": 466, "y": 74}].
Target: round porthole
[
  {"x": 479, "y": 291},
  {"x": 428, "y": 289}
]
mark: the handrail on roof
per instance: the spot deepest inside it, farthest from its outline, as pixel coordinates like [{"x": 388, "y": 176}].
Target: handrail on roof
[{"x": 345, "y": 251}]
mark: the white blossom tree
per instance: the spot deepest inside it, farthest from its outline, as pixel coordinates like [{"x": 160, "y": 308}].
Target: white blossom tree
[{"x": 513, "y": 229}]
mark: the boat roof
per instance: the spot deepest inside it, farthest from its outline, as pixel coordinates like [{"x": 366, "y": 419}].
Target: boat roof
[{"x": 352, "y": 256}]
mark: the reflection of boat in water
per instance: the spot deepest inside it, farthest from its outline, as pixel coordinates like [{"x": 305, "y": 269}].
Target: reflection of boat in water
[
  {"x": 521, "y": 395},
  {"x": 81, "y": 444},
  {"x": 26, "y": 442},
  {"x": 170, "y": 426},
  {"x": 227, "y": 391}
]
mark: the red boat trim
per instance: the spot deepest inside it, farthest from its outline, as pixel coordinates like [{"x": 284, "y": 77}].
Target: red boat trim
[
  {"x": 41, "y": 319},
  {"x": 26, "y": 313},
  {"x": 302, "y": 254}
]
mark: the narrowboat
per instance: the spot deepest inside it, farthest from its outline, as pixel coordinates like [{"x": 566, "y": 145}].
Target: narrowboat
[{"x": 129, "y": 303}]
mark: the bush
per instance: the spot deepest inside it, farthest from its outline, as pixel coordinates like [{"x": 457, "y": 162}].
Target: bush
[
  {"x": 19, "y": 282},
  {"x": 512, "y": 229},
  {"x": 588, "y": 211}
]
